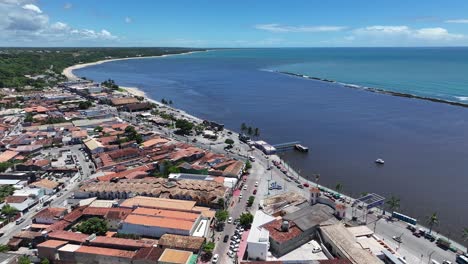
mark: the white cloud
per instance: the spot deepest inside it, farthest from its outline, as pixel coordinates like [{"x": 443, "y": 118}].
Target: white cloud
[
  {"x": 278, "y": 28},
  {"x": 68, "y": 6},
  {"x": 23, "y": 23},
  {"x": 128, "y": 20},
  {"x": 457, "y": 21},
  {"x": 401, "y": 35},
  {"x": 33, "y": 8}
]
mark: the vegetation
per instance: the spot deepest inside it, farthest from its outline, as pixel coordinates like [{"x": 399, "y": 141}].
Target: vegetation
[
  {"x": 45, "y": 261},
  {"x": 221, "y": 216},
  {"x": 249, "y": 131},
  {"x": 221, "y": 202},
  {"x": 6, "y": 190},
  {"x": 465, "y": 234},
  {"x": 98, "y": 129},
  {"x": 28, "y": 117},
  {"x": 129, "y": 236},
  {"x": 4, "y": 248},
  {"x": 9, "y": 210},
  {"x": 166, "y": 102},
  {"x": 24, "y": 260},
  {"x": 229, "y": 141},
  {"x": 243, "y": 127},
  {"x": 132, "y": 134},
  {"x": 393, "y": 203},
  {"x": 93, "y": 225},
  {"x": 167, "y": 167},
  {"x": 256, "y": 132},
  {"x": 432, "y": 220},
  {"x": 85, "y": 105},
  {"x": 5, "y": 165},
  {"x": 110, "y": 84},
  {"x": 184, "y": 126},
  {"x": 246, "y": 219},
  {"x": 339, "y": 187},
  {"x": 49, "y": 63},
  {"x": 250, "y": 201},
  {"x": 248, "y": 165},
  {"x": 208, "y": 248}
]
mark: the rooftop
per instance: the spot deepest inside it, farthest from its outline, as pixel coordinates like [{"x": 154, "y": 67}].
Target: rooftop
[
  {"x": 280, "y": 236},
  {"x": 106, "y": 252},
  {"x": 52, "y": 243},
  {"x": 175, "y": 256},
  {"x": 177, "y": 241}
]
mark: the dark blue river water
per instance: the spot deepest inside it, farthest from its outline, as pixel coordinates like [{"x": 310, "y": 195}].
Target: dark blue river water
[{"x": 424, "y": 144}]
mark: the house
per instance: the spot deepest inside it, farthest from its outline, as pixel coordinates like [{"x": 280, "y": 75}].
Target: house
[
  {"x": 49, "y": 215},
  {"x": 123, "y": 101},
  {"x": 48, "y": 186},
  {"x": 93, "y": 146},
  {"x": 172, "y": 256},
  {"x": 185, "y": 243}
]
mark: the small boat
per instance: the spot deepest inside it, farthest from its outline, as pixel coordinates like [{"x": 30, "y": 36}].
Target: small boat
[
  {"x": 301, "y": 148},
  {"x": 379, "y": 161}
]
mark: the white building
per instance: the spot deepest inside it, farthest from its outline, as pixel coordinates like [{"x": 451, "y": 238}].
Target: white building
[{"x": 258, "y": 239}]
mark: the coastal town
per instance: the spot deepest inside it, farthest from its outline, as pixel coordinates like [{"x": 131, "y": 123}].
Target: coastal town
[{"x": 96, "y": 173}]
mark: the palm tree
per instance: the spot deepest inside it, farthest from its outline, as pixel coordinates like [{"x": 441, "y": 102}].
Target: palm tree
[
  {"x": 394, "y": 203},
  {"x": 243, "y": 127},
  {"x": 9, "y": 210},
  {"x": 339, "y": 187},
  {"x": 465, "y": 234},
  {"x": 256, "y": 132},
  {"x": 249, "y": 131},
  {"x": 432, "y": 220}
]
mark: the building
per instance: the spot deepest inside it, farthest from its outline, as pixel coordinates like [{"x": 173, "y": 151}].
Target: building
[
  {"x": 124, "y": 101},
  {"x": 151, "y": 222},
  {"x": 186, "y": 243},
  {"x": 49, "y": 215},
  {"x": 48, "y": 186},
  {"x": 93, "y": 255},
  {"x": 172, "y": 256},
  {"x": 265, "y": 147},
  {"x": 258, "y": 242},
  {"x": 49, "y": 249},
  {"x": 342, "y": 243},
  {"x": 93, "y": 146}
]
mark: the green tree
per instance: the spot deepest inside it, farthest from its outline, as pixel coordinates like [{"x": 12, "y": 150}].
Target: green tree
[
  {"x": 246, "y": 219},
  {"x": 221, "y": 216},
  {"x": 221, "y": 202},
  {"x": 28, "y": 117},
  {"x": 184, "y": 126},
  {"x": 249, "y": 131},
  {"x": 4, "y": 248},
  {"x": 256, "y": 132},
  {"x": 393, "y": 203},
  {"x": 9, "y": 210},
  {"x": 6, "y": 190},
  {"x": 250, "y": 201},
  {"x": 243, "y": 127},
  {"x": 45, "y": 261},
  {"x": 229, "y": 141},
  {"x": 465, "y": 234},
  {"x": 5, "y": 165},
  {"x": 93, "y": 225},
  {"x": 85, "y": 105},
  {"x": 98, "y": 129},
  {"x": 248, "y": 165},
  {"x": 24, "y": 260},
  {"x": 432, "y": 220},
  {"x": 339, "y": 187}
]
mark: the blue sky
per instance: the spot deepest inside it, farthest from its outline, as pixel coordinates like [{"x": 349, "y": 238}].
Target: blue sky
[{"x": 240, "y": 23}]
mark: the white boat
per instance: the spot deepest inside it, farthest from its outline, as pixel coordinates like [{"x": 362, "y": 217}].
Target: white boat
[{"x": 379, "y": 161}]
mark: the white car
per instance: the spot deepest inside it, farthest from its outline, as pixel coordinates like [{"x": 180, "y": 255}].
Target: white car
[
  {"x": 256, "y": 184},
  {"x": 231, "y": 254},
  {"x": 215, "y": 258},
  {"x": 230, "y": 220},
  {"x": 240, "y": 196},
  {"x": 245, "y": 187}
]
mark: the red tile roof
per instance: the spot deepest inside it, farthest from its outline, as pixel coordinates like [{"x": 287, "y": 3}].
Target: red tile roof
[
  {"x": 68, "y": 236},
  {"x": 106, "y": 252},
  {"x": 51, "y": 212},
  {"x": 52, "y": 243},
  {"x": 280, "y": 236},
  {"x": 15, "y": 199}
]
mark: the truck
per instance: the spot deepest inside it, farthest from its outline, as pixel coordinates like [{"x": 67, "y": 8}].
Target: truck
[{"x": 443, "y": 243}]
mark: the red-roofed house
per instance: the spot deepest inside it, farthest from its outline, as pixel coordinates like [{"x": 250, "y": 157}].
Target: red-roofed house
[{"x": 49, "y": 215}]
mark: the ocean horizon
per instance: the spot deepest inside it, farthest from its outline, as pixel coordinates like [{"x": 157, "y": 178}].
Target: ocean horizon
[{"x": 422, "y": 142}]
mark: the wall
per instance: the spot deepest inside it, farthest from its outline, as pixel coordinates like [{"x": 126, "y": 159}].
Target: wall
[
  {"x": 86, "y": 258},
  {"x": 257, "y": 250}
]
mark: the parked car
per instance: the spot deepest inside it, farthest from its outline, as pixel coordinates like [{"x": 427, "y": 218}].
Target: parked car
[
  {"x": 19, "y": 221},
  {"x": 255, "y": 191},
  {"x": 417, "y": 234},
  {"x": 306, "y": 184},
  {"x": 256, "y": 184},
  {"x": 215, "y": 258},
  {"x": 230, "y": 220},
  {"x": 300, "y": 186},
  {"x": 226, "y": 238},
  {"x": 230, "y": 254}
]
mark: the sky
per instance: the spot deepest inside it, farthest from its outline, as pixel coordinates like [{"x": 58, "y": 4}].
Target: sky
[{"x": 234, "y": 23}]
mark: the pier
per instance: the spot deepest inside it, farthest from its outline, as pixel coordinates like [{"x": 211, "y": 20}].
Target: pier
[{"x": 286, "y": 146}]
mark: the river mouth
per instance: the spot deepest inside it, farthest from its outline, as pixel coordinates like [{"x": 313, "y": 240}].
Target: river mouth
[{"x": 422, "y": 142}]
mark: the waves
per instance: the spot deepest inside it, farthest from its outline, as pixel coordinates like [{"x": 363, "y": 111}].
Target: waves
[{"x": 381, "y": 91}]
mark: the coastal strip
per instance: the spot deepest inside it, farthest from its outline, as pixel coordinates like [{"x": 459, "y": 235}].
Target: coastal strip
[
  {"x": 68, "y": 72},
  {"x": 376, "y": 90}
]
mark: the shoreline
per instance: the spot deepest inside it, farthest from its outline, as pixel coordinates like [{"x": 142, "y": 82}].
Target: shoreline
[
  {"x": 68, "y": 72},
  {"x": 375, "y": 90}
]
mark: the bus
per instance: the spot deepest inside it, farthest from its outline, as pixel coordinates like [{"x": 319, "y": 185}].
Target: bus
[{"x": 404, "y": 218}]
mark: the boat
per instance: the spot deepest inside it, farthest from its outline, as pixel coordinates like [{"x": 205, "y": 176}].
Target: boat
[
  {"x": 379, "y": 161},
  {"x": 301, "y": 148}
]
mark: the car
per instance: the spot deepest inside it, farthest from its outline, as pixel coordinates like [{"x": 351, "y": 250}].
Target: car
[
  {"x": 306, "y": 184},
  {"x": 230, "y": 254},
  {"x": 226, "y": 238},
  {"x": 252, "y": 158},
  {"x": 230, "y": 220},
  {"x": 240, "y": 196},
  {"x": 235, "y": 249},
  {"x": 300, "y": 186},
  {"x": 430, "y": 237},
  {"x": 254, "y": 191},
  {"x": 19, "y": 221},
  {"x": 238, "y": 241},
  {"x": 256, "y": 184},
  {"x": 288, "y": 180},
  {"x": 215, "y": 258},
  {"x": 245, "y": 187},
  {"x": 397, "y": 239},
  {"x": 417, "y": 234}
]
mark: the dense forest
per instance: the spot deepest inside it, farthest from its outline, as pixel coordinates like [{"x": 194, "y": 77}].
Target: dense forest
[{"x": 45, "y": 65}]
